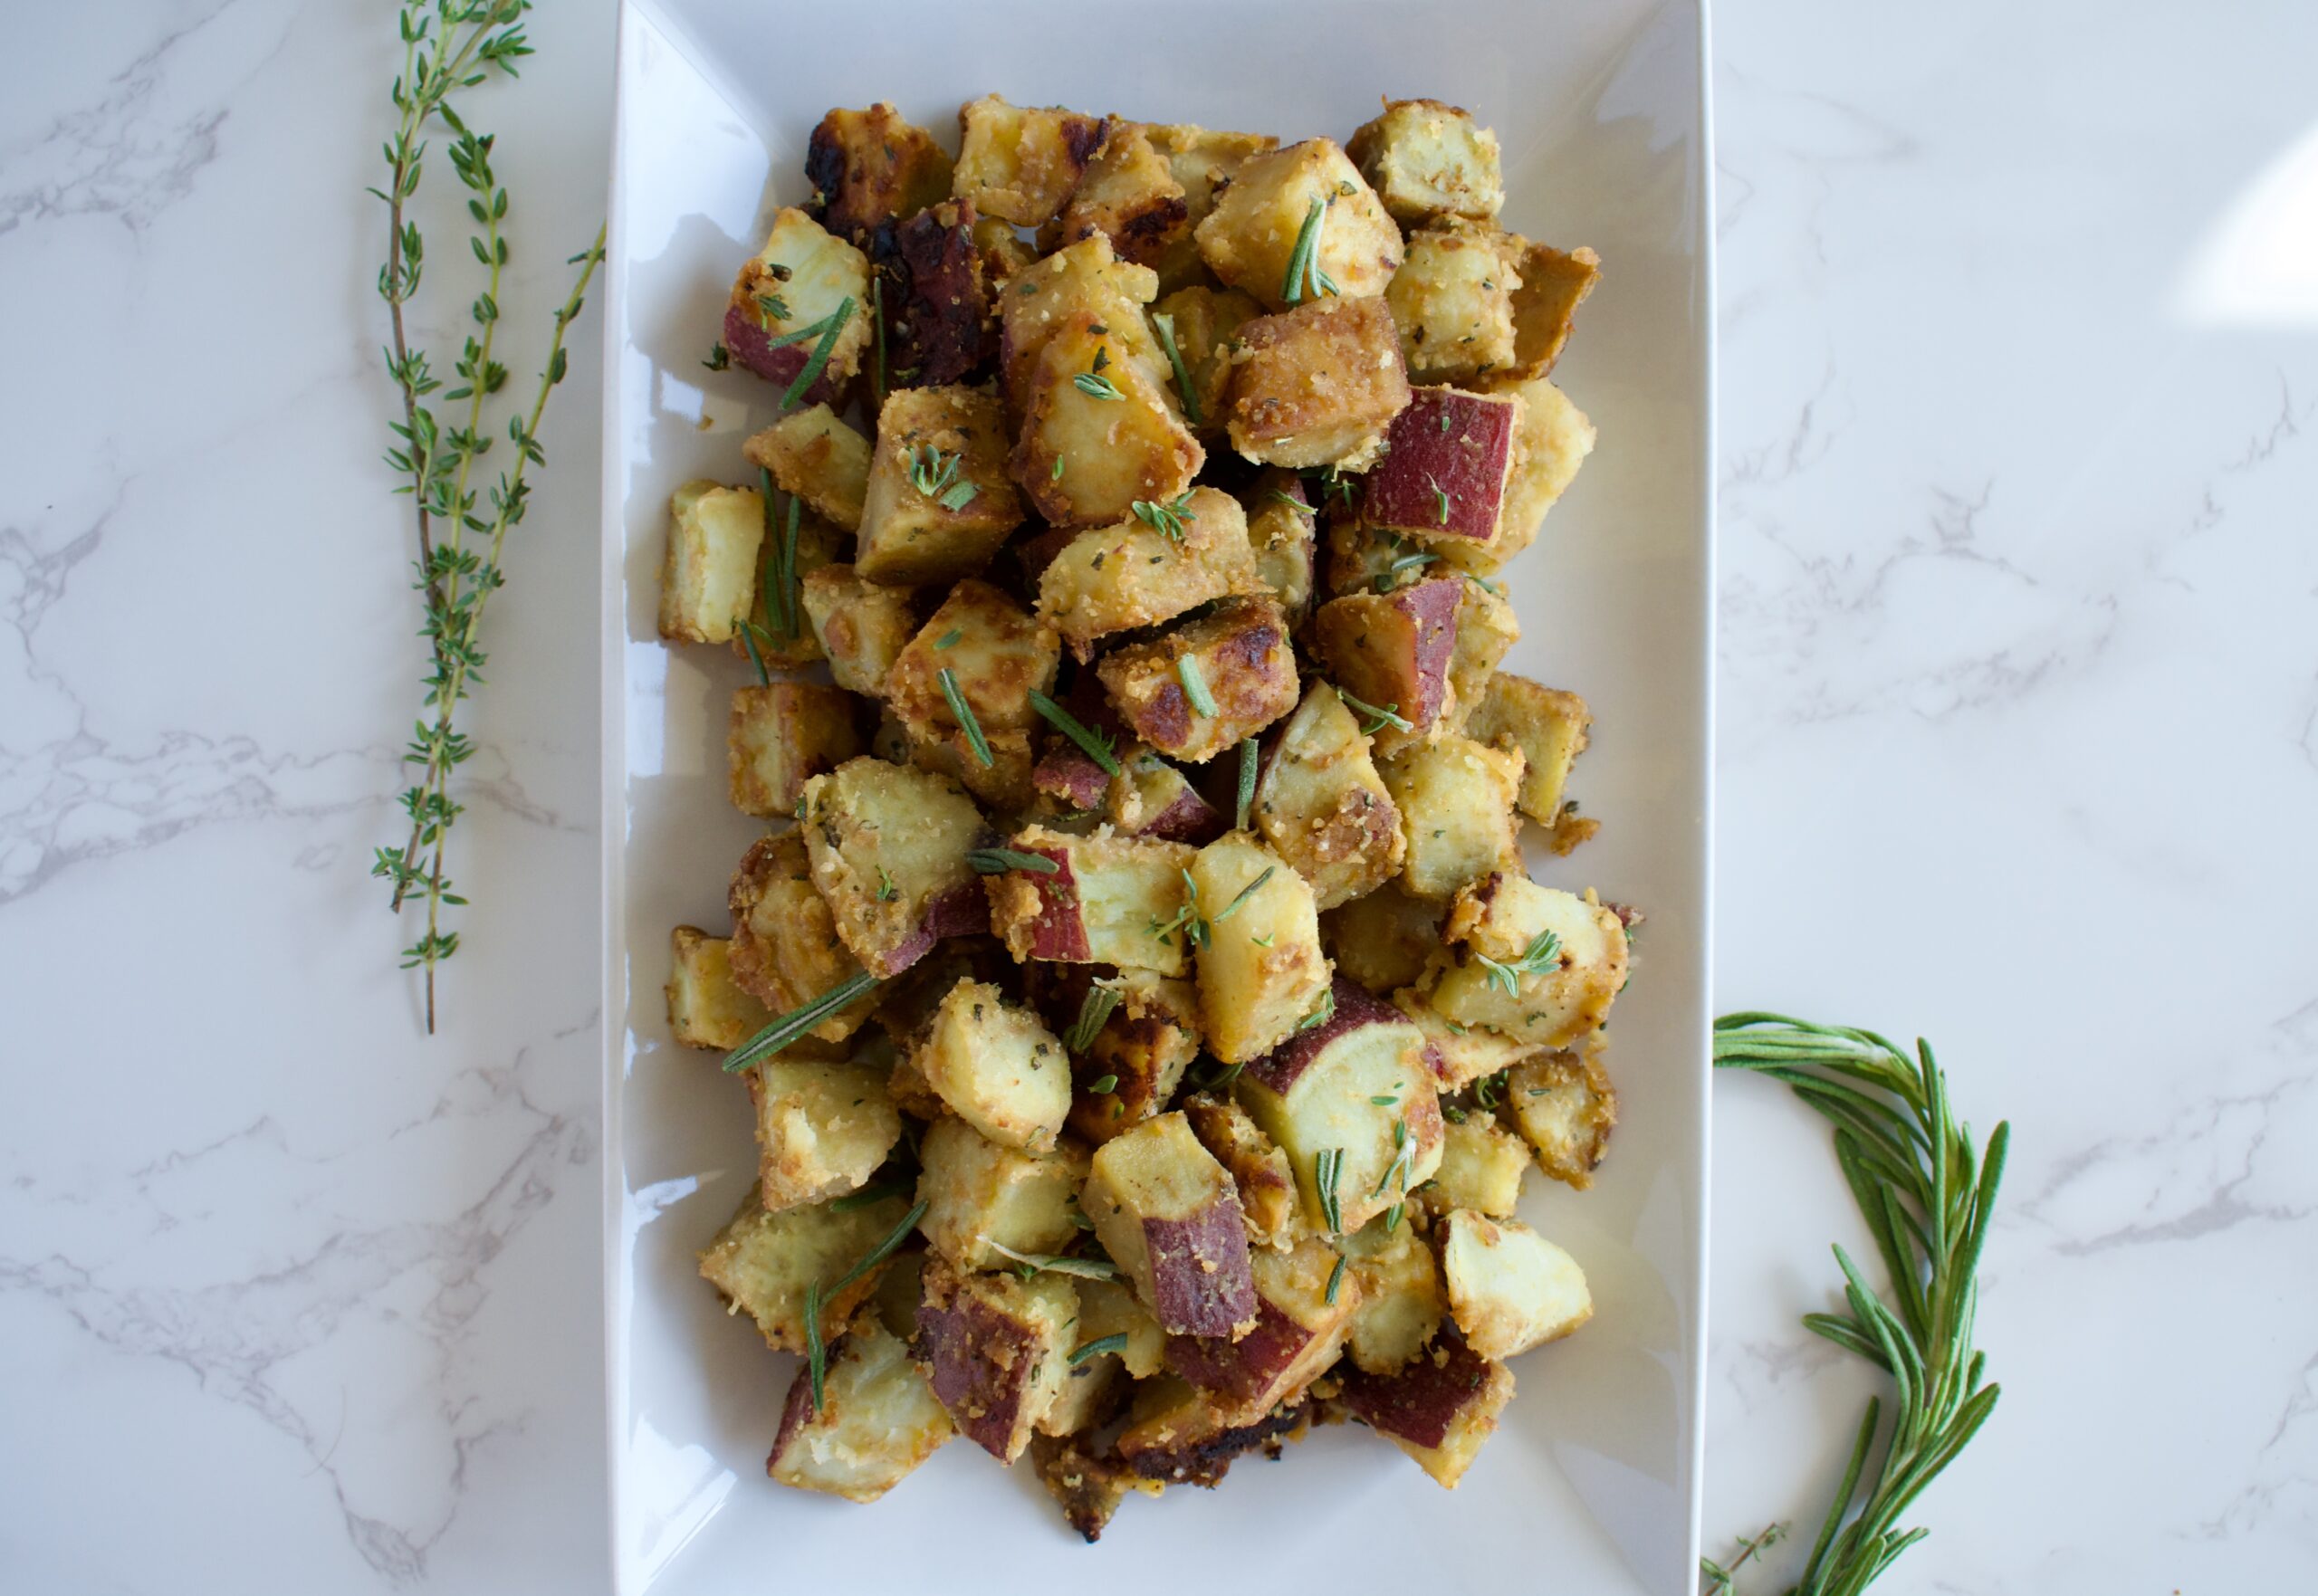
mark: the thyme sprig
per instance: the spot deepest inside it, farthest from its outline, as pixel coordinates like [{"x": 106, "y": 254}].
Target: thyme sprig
[
  {"x": 1542, "y": 954},
  {"x": 450, "y": 46},
  {"x": 1094, "y": 1012},
  {"x": 1166, "y": 519},
  {"x": 1927, "y": 1195},
  {"x": 1375, "y": 718},
  {"x": 933, "y": 472}
]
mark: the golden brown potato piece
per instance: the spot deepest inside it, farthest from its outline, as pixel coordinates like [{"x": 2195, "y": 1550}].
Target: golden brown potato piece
[
  {"x": 1553, "y": 285},
  {"x": 1128, "y": 193},
  {"x": 709, "y": 580},
  {"x": 804, "y": 276},
  {"x": 1100, "y": 431},
  {"x": 1204, "y": 322},
  {"x": 1083, "y": 278},
  {"x": 888, "y": 849},
  {"x": 1322, "y": 806},
  {"x": 939, "y": 502},
  {"x": 1391, "y": 651},
  {"x": 1439, "y": 1410},
  {"x": 878, "y": 1419},
  {"x": 1019, "y": 164},
  {"x": 978, "y": 1191},
  {"x": 1401, "y": 1301},
  {"x": 785, "y": 949},
  {"x": 997, "y": 655},
  {"x": 998, "y": 1068},
  {"x": 1317, "y": 385},
  {"x": 993, "y": 1348},
  {"x": 1509, "y": 1289},
  {"x": 1565, "y": 1107},
  {"x": 1202, "y": 688},
  {"x": 871, "y": 166},
  {"x": 1457, "y": 817},
  {"x": 763, "y": 1264},
  {"x": 1169, "y": 1216},
  {"x": 1554, "y": 440},
  {"x": 1261, "y": 967},
  {"x": 1267, "y": 1186},
  {"x": 1537, "y": 964},
  {"x": 706, "y": 1006},
  {"x": 1429, "y": 160},
  {"x": 821, "y": 460},
  {"x": 862, "y": 626},
  {"x": 783, "y": 734},
  {"x": 1547, "y": 726},
  {"x": 822, "y": 1128},
  {"x": 1149, "y": 567},
  {"x": 1452, "y": 300},
  {"x": 1382, "y": 941},
  {"x": 1250, "y": 238},
  {"x": 1110, "y": 900}
]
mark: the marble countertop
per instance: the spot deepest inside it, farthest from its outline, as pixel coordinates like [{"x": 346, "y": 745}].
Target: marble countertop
[{"x": 2019, "y": 749}]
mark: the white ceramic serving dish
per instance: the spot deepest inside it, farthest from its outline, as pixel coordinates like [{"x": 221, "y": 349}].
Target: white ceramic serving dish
[{"x": 1590, "y": 1483}]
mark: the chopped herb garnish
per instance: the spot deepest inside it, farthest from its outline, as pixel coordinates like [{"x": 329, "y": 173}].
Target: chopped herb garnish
[
  {"x": 1195, "y": 928},
  {"x": 748, "y": 630},
  {"x": 1033, "y": 1263},
  {"x": 1389, "y": 577},
  {"x": 1195, "y": 685},
  {"x": 1093, "y": 744},
  {"x": 1165, "y": 326},
  {"x": 949, "y": 639},
  {"x": 798, "y": 1021},
  {"x": 1094, "y": 1011},
  {"x": 1102, "y": 1085},
  {"x": 1304, "y": 278},
  {"x": 964, "y": 712},
  {"x": 1056, "y": 474},
  {"x": 1247, "y": 803},
  {"x": 1377, "y": 719},
  {"x": 1168, "y": 518},
  {"x": 1440, "y": 501},
  {"x": 934, "y": 473},
  {"x": 1096, "y": 386},
  {"x": 1242, "y": 896},
  {"x": 1543, "y": 953},
  {"x": 1335, "y": 1279},
  {"x": 887, "y": 891},
  {"x": 1320, "y": 1016},
  {"x": 999, "y": 861},
  {"x": 1283, "y": 496},
  {"x": 720, "y": 358},
  {"x": 834, "y": 323},
  {"x": 817, "y": 1354},
  {"x": 1327, "y": 1166},
  {"x": 772, "y": 308},
  {"x": 1097, "y": 1347}
]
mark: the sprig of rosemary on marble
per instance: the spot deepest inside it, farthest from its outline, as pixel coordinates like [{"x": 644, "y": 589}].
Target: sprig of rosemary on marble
[
  {"x": 449, "y": 46},
  {"x": 1927, "y": 1196}
]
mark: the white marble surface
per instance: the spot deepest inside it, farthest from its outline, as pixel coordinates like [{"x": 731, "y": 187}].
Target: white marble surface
[{"x": 2020, "y": 749}]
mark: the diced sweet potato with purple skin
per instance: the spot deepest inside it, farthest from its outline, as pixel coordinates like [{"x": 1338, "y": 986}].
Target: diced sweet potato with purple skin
[
  {"x": 1444, "y": 468},
  {"x": 1072, "y": 779},
  {"x": 785, "y": 951},
  {"x": 1151, "y": 798},
  {"x": 1180, "y": 1434},
  {"x": 1321, "y": 805},
  {"x": 1553, "y": 285},
  {"x": 1020, "y": 162},
  {"x": 876, "y": 1422},
  {"x": 1439, "y": 1410},
  {"x": 1103, "y": 903},
  {"x": 1318, "y": 385},
  {"x": 993, "y": 1348},
  {"x": 1239, "y": 651},
  {"x": 1356, "y": 1086},
  {"x": 1298, "y": 1333},
  {"x": 1283, "y": 533},
  {"x": 1140, "y": 1054},
  {"x": 1267, "y": 1186},
  {"x": 888, "y": 849},
  {"x": 937, "y": 299},
  {"x": 871, "y": 166},
  {"x": 803, "y": 274},
  {"x": 1169, "y": 1216},
  {"x": 1392, "y": 650}
]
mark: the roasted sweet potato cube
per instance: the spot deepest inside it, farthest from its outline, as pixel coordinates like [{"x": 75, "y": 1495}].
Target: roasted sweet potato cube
[
  {"x": 1100, "y": 430},
  {"x": 781, "y": 735},
  {"x": 804, "y": 276},
  {"x": 822, "y": 1128},
  {"x": 1088, "y": 1486},
  {"x": 1482, "y": 1168},
  {"x": 1382, "y": 941},
  {"x": 1139, "y": 1054},
  {"x": 979, "y": 1192},
  {"x": 818, "y": 457},
  {"x": 937, "y": 296},
  {"x": 706, "y": 1006},
  {"x": 1486, "y": 630},
  {"x": 994, "y": 1347},
  {"x": 1181, "y": 1435},
  {"x": 1553, "y": 285},
  {"x": 1445, "y": 471},
  {"x": 1439, "y": 1410},
  {"x": 1204, "y": 322},
  {"x": 1509, "y": 1289},
  {"x": 1459, "y": 1054},
  {"x": 1537, "y": 964},
  {"x": 1391, "y": 651},
  {"x": 1019, "y": 164},
  {"x": 1151, "y": 798},
  {"x": 1168, "y": 1215},
  {"x": 1317, "y": 385},
  {"x": 998, "y": 1068},
  {"x": 1261, "y": 967},
  {"x": 1565, "y": 1107},
  {"x": 997, "y": 655},
  {"x": 1300, "y": 1329},
  {"x": 1555, "y": 439},
  {"x": 1453, "y": 301},
  {"x": 1363, "y": 559},
  {"x": 1203, "y": 687},
  {"x": 1321, "y": 805},
  {"x": 888, "y": 849},
  {"x": 876, "y": 1422},
  {"x": 1003, "y": 782},
  {"x": 1283, "y": 530},
  {"x": 1349, "y": 1098},
  {"x": 1402, "y": 1304},
  {"x": 938, "y": 504},
  {"x": 868, "y": 167},
  {"x": 1147, "y": 568},
  {"x": 1428, "y": 160},
  {"x": 1129, "y": 194},
  {"x": 1110, "y": 900},
  {"x": 1084, "y": 279},
  {"x": 1546, "y": 726},
  {"x": 709, "y": 580},
  {"x": 763, "y": 1264},
  {"x": 1268, "y": 1201},
  {"x": 862, "y": 626},
  {"x": 1203, "y": 161},
  {"x": 1110, "y": 1307},
  {"x": 785, "y": 951},
  {"x": 778, "y": 631},
  {"x": 1094, "y": 1390},
  {"x": 1249, "y": 240},
  {"x": 1456, "y": 801}
]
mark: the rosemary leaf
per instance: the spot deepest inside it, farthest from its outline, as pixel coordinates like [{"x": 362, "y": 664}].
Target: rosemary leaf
[
  {"x": 799, "y": 1022},
  {"x": 1094, "y": 745},
  {"x": 964, "y": 712},
  {"x": 1247, "y": 802},
  {"x": 819, "y": 360},
  {"x": 1096, "y": 386},
  {"x": 1335, "y": 1279},
  {"x": 999, "y": 861},
  {"x": 1094, "y": 1011},
  {"x": 1165, "y": 326},
  {"x": 1202, "y": 702},
  {"x": 1055, "y": 1263},
  {"x": 1242, "y": 896},
  {"x": 1377, "y": 719},
  {"x": 1116, "y": 1342}
]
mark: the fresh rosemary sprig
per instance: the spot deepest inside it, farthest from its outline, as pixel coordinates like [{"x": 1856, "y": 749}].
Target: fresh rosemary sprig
[
  {"x": 798, "y": 1021},
  {"x": 1320, "y": 1016},
  {"x": 1166, "y": 519},
  {"x": 964, "y": 712},
  {"x": 449, "y": 46},
  {"x": 1187, "y": 671},
  {"x": 1094, "y": 1012},
  {"x": 1304, "y": 278},
  {"x": 1542, "y": 954},
  {"x": 1187, "y": 918},
  {"x": 828, "y": 327},
  {"x": 1377, "y": 719},
  {"x": 1327, "y": 1168},
  {"x": 1165, "y": 326},
  {"x": 1247, "y": 797},
  {"x": 815, "y": 1354},
  {"x": 1242, "y": 896},
  {"x": 999, "y": 861},
  {"x": 1927, "y": 1196},
  {"x": 1389, "y": 577},
  {"x": 1093, "y": 744}
]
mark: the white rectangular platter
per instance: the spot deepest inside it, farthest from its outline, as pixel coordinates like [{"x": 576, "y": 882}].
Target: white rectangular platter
[{"x": 1590, "y": 1483}]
